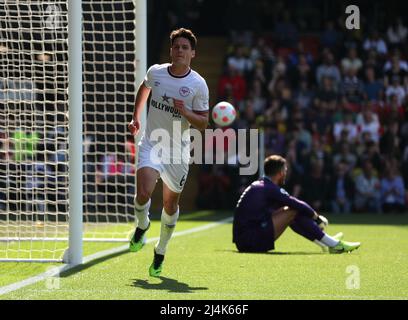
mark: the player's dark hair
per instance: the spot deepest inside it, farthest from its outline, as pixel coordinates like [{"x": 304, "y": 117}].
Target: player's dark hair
[
  {"x": 184, "y": 33},
  {"x": 273, "y": 165}
]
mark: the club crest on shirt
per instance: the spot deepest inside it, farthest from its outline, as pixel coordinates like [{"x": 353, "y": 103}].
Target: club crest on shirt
[
  {"x": 184, "y": 91},
  {"x": 283, "y": 191},
  {"x": 157, "y": 83}
]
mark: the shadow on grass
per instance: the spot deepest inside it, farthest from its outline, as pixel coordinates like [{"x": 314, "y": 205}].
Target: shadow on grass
[
  {"x": 170, "y": 285},
  {"x": 90, "y": 264},
  {"x": 276, "y": 253}
]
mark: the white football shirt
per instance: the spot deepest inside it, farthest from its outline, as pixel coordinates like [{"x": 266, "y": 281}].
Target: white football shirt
[{"x": 192, "y": 89}]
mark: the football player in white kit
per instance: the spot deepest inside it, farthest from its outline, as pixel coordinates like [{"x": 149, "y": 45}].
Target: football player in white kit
[{"x": 179, "y": 99}]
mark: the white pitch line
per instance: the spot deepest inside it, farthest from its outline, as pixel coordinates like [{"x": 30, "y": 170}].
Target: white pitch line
[{"x": 57, "y": 270}]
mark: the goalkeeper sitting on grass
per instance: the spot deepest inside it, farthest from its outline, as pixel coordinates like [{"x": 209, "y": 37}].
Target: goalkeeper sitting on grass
[{"x": 265, "y": 210}]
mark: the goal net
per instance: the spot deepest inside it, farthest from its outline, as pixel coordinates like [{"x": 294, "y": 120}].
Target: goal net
[{"x": 34, "y": 131}]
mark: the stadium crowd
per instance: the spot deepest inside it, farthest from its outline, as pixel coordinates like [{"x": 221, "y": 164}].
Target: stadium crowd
[{"x": 334, "y": 104}]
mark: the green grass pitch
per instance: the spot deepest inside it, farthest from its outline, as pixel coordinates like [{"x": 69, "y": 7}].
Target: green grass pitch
[{"x": 206, "y": 265}]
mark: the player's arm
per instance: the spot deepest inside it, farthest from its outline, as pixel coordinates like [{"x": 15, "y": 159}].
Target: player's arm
[
  {"x": 303, "y": 208},
  {"x": 300, "y": 206},
  {"x": 198, "y": 116},
  {"x": 141, "y": 98},
  {"x": 198, "y": 119}
]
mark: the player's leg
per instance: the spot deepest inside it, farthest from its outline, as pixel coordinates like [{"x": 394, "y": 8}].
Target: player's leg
[
  {"x": 169, "y": 217},
  {"x": 146, "y": 182},
  {"x": 281, "y": 219},
  {"x": 308, "y": 228}
]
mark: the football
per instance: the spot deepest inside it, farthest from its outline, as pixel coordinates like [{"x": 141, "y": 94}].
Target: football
[{"x": 223, "y": 113}]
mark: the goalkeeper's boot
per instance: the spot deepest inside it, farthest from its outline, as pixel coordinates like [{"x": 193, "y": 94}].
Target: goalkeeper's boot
[
  {"x": 338, "y": 236},
  {"x": 157, "y": 265},
  {"x": 344, "y": 246},
  {"x": 138, "y": 240}
]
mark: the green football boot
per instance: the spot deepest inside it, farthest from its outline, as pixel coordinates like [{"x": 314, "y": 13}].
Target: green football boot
[
  {"x": 157, "y": 265},
  {"x": 138, "y": 240},
  {"x": 338, "y": 236},
  {"x": 344, "y": 246}
]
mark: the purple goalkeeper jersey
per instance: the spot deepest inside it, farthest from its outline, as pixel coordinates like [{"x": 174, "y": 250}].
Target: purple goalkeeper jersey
[{"x": 259, "y": 200}]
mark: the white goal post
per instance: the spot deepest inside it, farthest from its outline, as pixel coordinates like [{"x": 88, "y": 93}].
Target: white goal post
[{"x": 68, "y": 78}]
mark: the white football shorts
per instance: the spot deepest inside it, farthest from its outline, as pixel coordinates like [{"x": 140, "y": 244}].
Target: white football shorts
[{"x": 174, "y": 175}]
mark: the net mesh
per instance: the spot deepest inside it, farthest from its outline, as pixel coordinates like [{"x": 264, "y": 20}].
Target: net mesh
[{"x": 34, "y": 204}]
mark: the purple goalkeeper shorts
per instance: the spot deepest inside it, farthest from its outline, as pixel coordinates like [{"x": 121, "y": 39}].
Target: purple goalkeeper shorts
[{"x": 259, "y": 238}]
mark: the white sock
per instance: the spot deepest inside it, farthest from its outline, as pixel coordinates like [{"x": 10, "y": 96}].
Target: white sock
[
  {"x": 142, "y": 214},
  {"x": 320, "y": 244},
  {"x": 168, "y": 224},
  {"x": 329, "y": 241}
]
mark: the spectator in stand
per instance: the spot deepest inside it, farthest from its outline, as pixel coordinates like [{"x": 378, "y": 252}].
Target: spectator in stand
[
  {"x": 348, "y": 125},
  {"x": 300, "y": 53},
  {"x": 390, "y": 141},
  {"x": 373, "y": 89},
  {"x": 317, "y": 153},
  {"x": 396, "y": 59},
  {"x": 330, "y": 37},
  {"x": 286, "y": 32},
  {"x": 304, "y": 96},
  {"x": 341, "y": 189},
  {"x": 327, "y": 95},
  {"x": 302, "y": 71},
  {"x": 328, "y": 69},
  {"x": 344, "y": 155},
  {"x": 257, "y": 95},
  {"x": 259, "y": 72},
  {"x": 233, "y": 80},
  {"x": 248, "y": 113},
  {"x": 263, "y": 53},
  {"x": 374, "y": 41},
  {"x": 397, "y": 33},
  {"x": 314, "y": 186},
  {"x": 368, "y": 196},
  {"x": 294, "y": 150},
  {"x": 278, "y": 73},
  {"x": 371, "y": 152},
  {"x": 367, "y": 121},
  {"x": 320, "y": 122},
  {"x": 303, "y": 135},
  {"x": 352, "y": 89},
  {"x": 395, "y": 88},
  {"x": 274, "y": 140},
  {"x": 35, "y": 187},
  {"x": 240, "y": 62},
  {"x": 24, "y": 145},
  {"x": 397, "y": 68},
  {"x": 352, "y": 61},
  {"x": 392, "y": 111},
  {"x": 373, "y": 61},
  {"x": 392, "y": 191}
]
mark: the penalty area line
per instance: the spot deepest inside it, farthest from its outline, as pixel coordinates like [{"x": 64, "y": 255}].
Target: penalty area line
[{"x": 55, "y": 271}]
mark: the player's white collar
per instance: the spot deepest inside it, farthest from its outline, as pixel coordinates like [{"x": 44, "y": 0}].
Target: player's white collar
[{"x": 178, "y": 77}]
